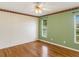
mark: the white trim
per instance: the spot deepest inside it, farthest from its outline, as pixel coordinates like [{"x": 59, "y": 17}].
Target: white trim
[
  {"x": 42, "y": 26},
  {"x": 8, "y": 46},
  {"x": 75, "y": 29},
  {"x": 60, "y": 45}
]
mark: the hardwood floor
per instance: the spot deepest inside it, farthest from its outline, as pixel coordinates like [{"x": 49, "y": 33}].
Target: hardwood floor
[{"x": 37, "y": 49}]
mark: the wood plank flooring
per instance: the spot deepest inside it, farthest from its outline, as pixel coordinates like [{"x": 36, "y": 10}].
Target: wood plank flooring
[{"x": 37, "y": 49}]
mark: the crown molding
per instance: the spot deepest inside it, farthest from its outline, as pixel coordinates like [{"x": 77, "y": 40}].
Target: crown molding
[
  {"x": 5, "y": 10},
  {"x": 61, "y": 11}
]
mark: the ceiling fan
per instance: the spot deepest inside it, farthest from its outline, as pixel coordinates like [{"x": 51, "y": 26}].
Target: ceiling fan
[{"x": 39, "y": 7}]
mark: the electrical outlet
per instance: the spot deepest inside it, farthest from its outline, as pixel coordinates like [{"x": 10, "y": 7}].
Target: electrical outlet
[{"x": 64, "y": 42}]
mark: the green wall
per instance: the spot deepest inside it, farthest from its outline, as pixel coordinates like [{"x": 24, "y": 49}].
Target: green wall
[{"x": 60, "y": 28}]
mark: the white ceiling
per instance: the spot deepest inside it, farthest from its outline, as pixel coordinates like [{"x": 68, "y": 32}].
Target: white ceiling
[{"x": 28, "y": 7}]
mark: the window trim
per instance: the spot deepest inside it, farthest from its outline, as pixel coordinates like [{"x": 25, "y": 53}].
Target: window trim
[
  {"x": 42, "y": 30},
  {"x": 75, "y": 40}
]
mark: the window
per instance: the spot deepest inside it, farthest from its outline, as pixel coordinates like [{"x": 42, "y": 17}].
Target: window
[
  {"x": 44, "y": 28},
  {"x": 76, "y": 28}
]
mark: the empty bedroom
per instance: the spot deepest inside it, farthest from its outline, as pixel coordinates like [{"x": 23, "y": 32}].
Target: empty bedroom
[{"x": 39, "y": 29}]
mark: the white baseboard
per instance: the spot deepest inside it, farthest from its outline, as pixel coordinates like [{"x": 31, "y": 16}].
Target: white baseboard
[
  {"x": 13, "y": 44},
  {"x": 60, "y": 45}
]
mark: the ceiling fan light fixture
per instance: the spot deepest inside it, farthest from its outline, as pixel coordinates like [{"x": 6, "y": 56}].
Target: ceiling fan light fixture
[
  {"x": 38, "y": 11},
  {"x": 38, "y": 8}
]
